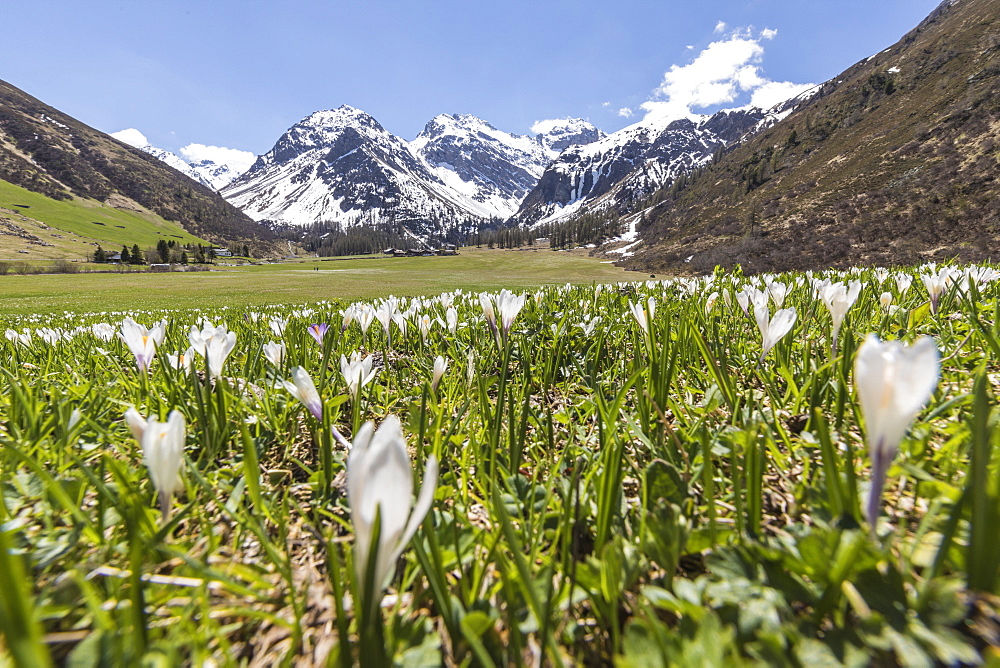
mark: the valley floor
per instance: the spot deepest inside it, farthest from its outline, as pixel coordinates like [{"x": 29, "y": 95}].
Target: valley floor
[{"x": 301, "y": 281}]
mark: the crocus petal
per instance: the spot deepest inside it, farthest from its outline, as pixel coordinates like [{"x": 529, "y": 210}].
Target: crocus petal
[
  {"x": 779, "y": 326},
  {"x": 424, "y": 501},
  {"x": 136, "y": 423}
]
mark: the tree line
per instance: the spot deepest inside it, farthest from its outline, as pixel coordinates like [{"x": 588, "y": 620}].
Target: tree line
[{"x": 166, "y": 252}]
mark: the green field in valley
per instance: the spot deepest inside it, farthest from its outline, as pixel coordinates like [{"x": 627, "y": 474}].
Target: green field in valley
[{"x": 302, "y": 282}]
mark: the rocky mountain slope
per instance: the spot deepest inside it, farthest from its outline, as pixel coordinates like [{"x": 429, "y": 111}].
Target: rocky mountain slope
[
  {"x": 133, "y": 137},
  {"x": 48, "y": 152},
  {"x": 493, "y": 170},
  {"x": 893, "y": 161},
  {"x": 213, "y": 173},
  {"x": 341, "y": 167},
  {"x": 628, "y": 165}
]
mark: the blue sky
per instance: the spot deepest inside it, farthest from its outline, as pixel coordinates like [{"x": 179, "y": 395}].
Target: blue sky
[{"x": 237, "y": 73}]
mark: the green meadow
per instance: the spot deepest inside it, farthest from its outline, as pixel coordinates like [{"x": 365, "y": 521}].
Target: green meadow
[
  {"x": 301, "y": 282},
  {"x": 785, "y": 470}
]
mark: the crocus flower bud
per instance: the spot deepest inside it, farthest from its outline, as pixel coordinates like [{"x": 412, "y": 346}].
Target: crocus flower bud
[
  {"x": 440, "y": 366},
  {"x": 380, "y": 483},
  {"x": 303, "y": 389},
  {"x": 163, "y": 452}
]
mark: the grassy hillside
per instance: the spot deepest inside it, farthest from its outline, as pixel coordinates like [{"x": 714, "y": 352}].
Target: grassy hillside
[
  {"x": 894, "y": 161},
  {"x": 71, "y": 228},
  {"x": 48, "y": 152}
]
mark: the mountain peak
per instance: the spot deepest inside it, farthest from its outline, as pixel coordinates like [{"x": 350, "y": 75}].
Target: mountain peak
[
  {"x": 557, "y": 134},
  {"x": 342, "y": 117}
]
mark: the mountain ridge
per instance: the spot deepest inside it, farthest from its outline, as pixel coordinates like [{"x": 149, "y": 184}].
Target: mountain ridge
[
  {"x": 341, "y": 166},
  {"x": 892, "y": 161}
]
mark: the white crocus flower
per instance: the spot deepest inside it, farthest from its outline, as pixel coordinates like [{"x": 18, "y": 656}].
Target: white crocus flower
[
  {"x": 274, "y": 353},
  {"x": 893, "y": 383},
  {"x": 384, "y": 314},
  {"x": 182, "y": 361},
  {"x": 142, "y": 341},
  {"x": 743, "y": 299},
  {"x": 903, "y": 282},
  {"x": 509, "y": 305},
  {"x": 885, "y": 299},
  {"x": 365, "y": 315},
  {"x": 777, "y": 292},
  {"x": 214, "y": 344},
  {"x": 486, "y": 301},
  {"x": 400, "y": 319},
  {"x": 710, "y": 302},
  {"x": 424, "y": 324},
  {"x": 639, "y": 312},
  {"x": 357, "y": 372},
  {"x": 163, "y": 452},
  {"x": 348, "y": 314},
  {"x": 303, "y": 389},
  {"x": 588, "y": 325},
  {"x": 935, "y": 284},
  {"x": 773, "y": 329},
  {"x": 440, "y": 366},
  {"x": 380, "y": 485},
  {"x": 451, "y": 318},
  {"x": 838, "y": 299}
]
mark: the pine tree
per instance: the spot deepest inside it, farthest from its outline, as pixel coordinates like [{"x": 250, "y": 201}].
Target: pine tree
[
  {"x": 137, "y": 255},
  {"x": 126, "y": 256},
  {"x": 100, "y": 256}
]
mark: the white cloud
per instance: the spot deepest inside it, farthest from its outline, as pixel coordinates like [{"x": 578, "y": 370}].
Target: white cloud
[
  {"x": 238, "y": 160},
  {"x": 625, "y": 112},
  {"x": 605, "y": 104},
  {"x": 721, "y": 26},
  {"x": 132, "y": 137},
  {"x": 689, "y": 46},
  {"x": 768, "y": 33},
  {"x": 723, "y": 72}
]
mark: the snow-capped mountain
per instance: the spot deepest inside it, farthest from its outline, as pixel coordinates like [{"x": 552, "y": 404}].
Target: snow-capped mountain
[
  {"x": 491, "y": 169},
  {"x": 133, "y": 137},
  {"x": 216, "y": 176},
  {"x": 631, "y": 163},
  {"x": 211, "y": 166},
  {"x": 217, "y": 165},
  {"x": 342, "y": 166}
]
